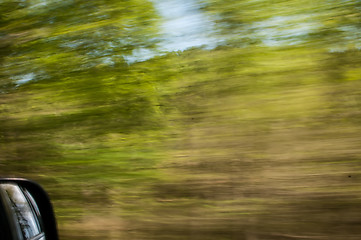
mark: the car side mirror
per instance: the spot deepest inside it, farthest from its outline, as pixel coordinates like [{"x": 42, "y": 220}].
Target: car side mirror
[{"x": 26, "y": 212}]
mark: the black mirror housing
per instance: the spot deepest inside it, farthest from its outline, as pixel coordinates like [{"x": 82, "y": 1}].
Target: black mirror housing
[{"x": 41, "y": 210}]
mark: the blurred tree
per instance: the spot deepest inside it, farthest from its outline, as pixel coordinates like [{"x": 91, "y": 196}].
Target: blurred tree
[
  {"x": 229, "y": 143},
  {"x": 79, "y": 34},
  {"x": 329, "y": 25},
  {"x": 79, "y": 46},
  {"x": 62, "y": 66}
]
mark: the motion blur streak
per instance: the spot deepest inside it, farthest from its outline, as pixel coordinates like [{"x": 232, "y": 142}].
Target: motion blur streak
[{"x": 251, "y": 130}]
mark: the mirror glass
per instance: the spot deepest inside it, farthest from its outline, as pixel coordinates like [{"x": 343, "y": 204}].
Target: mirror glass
[{"x": 21, "y": 211}]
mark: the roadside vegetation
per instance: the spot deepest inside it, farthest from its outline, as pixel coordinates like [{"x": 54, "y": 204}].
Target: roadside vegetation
[{"x": 257, "y": 138}]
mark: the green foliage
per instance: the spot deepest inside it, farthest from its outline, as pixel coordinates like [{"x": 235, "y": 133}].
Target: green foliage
[{"x": 257, "y": 138}]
